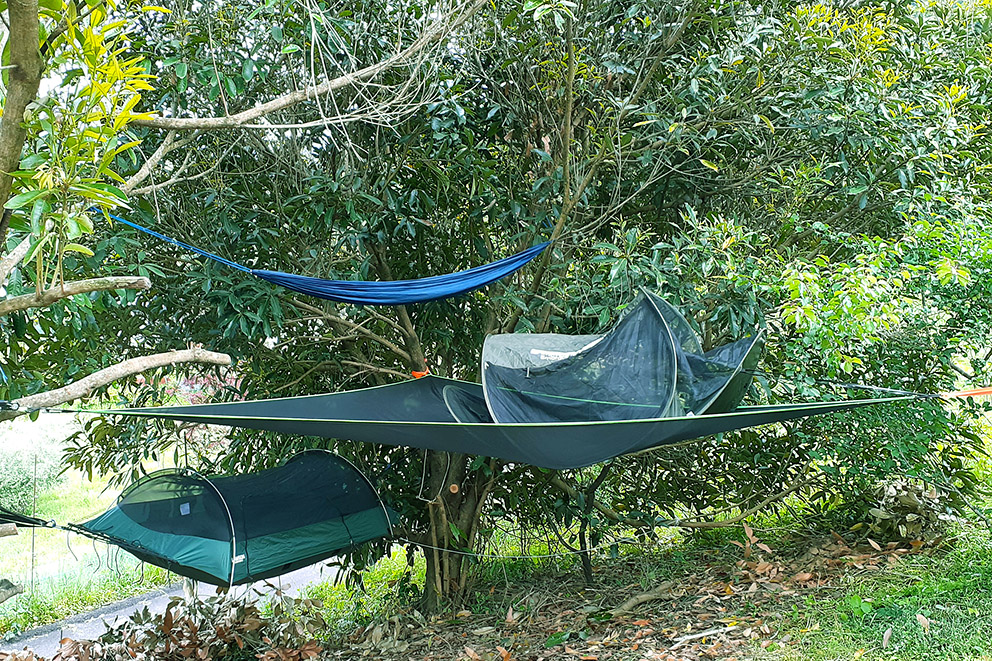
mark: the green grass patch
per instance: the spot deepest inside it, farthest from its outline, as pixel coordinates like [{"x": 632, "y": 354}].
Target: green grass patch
[
  {"x": 70, "y": 594},
  {"x": 937, "y": 607}
]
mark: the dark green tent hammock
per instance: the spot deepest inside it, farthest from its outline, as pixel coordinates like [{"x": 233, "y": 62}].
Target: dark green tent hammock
[{"x": 234, "y": 529}]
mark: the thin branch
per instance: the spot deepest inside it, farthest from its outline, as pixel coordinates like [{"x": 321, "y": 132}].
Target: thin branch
[
  {"x": 178, "y": 178},
  {"x": 63, "y": 25},
  {"x": 85, "y": 386},
  {"x": 663, "y": 591},
  {"x": 55, "y": 294},
  {"x": 437, "y": 32},
  {"x": 375, "y": 368},
  {"x": 169, "y": 144}
]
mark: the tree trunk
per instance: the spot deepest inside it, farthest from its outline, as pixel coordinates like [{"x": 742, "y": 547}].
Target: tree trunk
[
  {"x": 455, "y": 512},
  {"x": 587, "y": 506},
  {"x": 25, "y": 76}
]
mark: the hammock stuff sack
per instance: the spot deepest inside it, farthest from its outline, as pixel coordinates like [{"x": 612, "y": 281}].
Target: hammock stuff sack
[
  {"x": 360, "y": 292},
  {"x": 550, "y": 401},
  {"x": 228, "y": 530}
]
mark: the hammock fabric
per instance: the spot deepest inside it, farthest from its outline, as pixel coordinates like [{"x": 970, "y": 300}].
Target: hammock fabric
[
  {"x": 359, "y": 292},
  {"x": 228, "y": 530},
  {"x": 8, "y": 516}
]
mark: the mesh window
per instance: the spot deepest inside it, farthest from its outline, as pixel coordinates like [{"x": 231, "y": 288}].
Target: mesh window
[{"x": 176, "y": 503}]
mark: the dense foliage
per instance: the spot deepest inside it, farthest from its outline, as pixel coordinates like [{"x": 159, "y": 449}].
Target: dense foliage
[{"x": 819, "y": 170}]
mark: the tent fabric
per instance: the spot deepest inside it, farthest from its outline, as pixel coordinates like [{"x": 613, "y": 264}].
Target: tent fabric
[
  {"x": 358, "y": 292},
  {"x": 228, "y": 530},
  {"x": 651, "y": 365},
  {"x": 416, "y": 414}
]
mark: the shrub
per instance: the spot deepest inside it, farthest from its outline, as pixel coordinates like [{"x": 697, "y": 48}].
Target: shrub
[{"x": 18, "y": 475}]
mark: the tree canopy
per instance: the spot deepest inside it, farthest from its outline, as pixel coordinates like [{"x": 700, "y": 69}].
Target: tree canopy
[{"x": 819, "y": 170}]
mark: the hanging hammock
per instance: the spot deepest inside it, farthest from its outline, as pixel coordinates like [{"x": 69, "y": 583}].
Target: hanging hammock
[
  {"x": 234, "y": 529},
  {"x": 361, "y": 292}
]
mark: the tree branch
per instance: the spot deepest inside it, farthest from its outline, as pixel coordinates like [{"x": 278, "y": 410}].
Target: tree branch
[
  {"x": 169, "y": 144},
  {"x": 25, "y": 77},
  {"x": 55, "y": 294},
  {"x": 85, "y": 386},
  {"x": 374, "y": 368},
  {"x": 605, "y": 510},
  {"x": 10, "y": 261},
  {"x": 8, "y": 590},
  {"x": 437, "y": 32}
]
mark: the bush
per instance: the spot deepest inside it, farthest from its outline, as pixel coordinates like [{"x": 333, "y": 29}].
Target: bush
[{"x": 17, "y": 479}]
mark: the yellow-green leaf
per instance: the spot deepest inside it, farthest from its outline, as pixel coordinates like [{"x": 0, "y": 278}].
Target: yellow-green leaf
[
  {"x": 75, "y": 247},
  {"x": 711, "y": 165}
]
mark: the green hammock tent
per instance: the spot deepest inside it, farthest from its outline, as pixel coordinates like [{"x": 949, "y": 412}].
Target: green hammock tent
[
  {"x": 552, "y": 401},
  {"x": 228, "y": 530}
]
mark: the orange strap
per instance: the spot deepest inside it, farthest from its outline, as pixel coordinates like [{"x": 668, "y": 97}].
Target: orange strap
[
  {"x": 418, "y": 375},
  {"x": 976, "y": 392}
]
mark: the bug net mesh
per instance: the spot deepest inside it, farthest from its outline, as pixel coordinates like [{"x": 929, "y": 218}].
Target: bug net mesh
[{"x": 651, "y": 365}]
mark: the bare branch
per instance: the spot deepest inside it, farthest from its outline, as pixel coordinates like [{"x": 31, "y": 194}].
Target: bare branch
[
  {"x": 663, "y": 591},
  {"x": 375, "y": 368},
  {"x": 10, "y": 261},
  {"x": 85, "y": 386},
  {"x": 351, "y": 325},
  {"x": 178, "y": 178},
  {"x": 440, "y": 29},
  {"x": 168, "y": 145},
  {"x": 8, "y": 590},
  {"x": 55, "y": 294}
]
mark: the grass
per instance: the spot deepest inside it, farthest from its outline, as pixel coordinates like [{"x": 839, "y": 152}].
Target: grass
[
  {"x": 952, "y": 591},
  {"x": 70, "y": 594}
]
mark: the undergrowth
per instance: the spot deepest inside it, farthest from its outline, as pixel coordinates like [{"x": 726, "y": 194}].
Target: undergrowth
[{"x": 928, "y": 606}]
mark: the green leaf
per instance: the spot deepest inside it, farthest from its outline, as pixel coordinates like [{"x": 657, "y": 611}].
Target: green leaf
[
  {"x": 711, "y": 165},
  {"x": 26, "y": 198},
  {"x": 182, "y": 69},
  {"x": 248, "y": 69},
  {"x": 557, "y": 638}
]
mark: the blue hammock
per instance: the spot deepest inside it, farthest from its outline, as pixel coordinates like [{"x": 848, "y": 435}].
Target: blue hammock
[{"x": 360, "y": 292}]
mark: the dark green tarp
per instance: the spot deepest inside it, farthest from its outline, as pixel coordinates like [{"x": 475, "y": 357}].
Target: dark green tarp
[
  {"x": 228, "y": 530},
  {"x": 414, "y": 414}
]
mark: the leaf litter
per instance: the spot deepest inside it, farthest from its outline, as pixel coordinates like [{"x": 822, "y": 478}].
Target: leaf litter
[{"x": 731, "y": 604}]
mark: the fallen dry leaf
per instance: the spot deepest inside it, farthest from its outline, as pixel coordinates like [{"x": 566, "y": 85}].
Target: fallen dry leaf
[
  {"x": 472, "y": 654},
  {"x": 924, "y": 622},
  {"x": 886, "y": 637}
]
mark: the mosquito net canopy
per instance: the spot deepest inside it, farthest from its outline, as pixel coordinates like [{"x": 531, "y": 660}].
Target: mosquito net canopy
[
  {"x": 227, "y": 530},
  {"x": 651, "y": 365}
]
